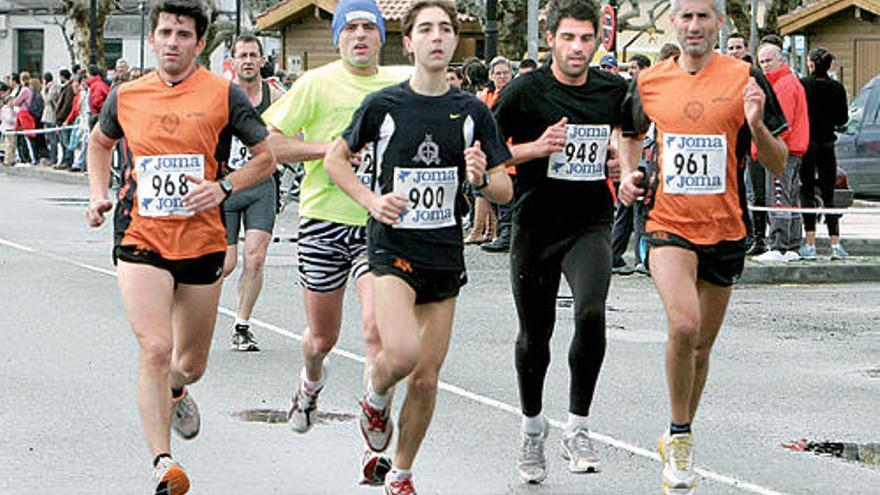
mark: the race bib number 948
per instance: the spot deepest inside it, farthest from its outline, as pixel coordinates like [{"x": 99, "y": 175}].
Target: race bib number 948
[
  {"x": 583, "y": 158},
  {"x": 694, "y": 163},
  {"x": 162, "y": 183},
  {"x": 431, "y": 193}
]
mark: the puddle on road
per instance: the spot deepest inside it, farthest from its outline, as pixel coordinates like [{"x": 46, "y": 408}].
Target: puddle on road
[
  {"x": 275, "y": 416},
  {"x": 872, "y": 372},
  {"x": 68, "y": 201},
  {"x": 867, "y": 454}
]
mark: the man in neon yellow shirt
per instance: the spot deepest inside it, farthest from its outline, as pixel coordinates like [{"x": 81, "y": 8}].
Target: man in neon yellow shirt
[{"x": 332, "y": 235}]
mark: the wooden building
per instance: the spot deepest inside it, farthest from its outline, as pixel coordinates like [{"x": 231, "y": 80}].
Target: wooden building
[
  {"x": 307, "y": 38},
  {"x": 849, "y": 28}
]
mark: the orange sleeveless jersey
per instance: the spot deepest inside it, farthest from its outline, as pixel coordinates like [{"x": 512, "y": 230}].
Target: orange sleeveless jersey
[
  {"x": 709, "y": 102},
  {"x": 158, "y": 119}
]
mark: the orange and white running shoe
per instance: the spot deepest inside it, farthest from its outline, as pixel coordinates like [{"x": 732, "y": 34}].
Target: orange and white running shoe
[{"x": 170, "y": 478}]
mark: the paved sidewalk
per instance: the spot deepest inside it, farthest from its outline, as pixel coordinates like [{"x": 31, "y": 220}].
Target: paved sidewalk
[{"x": 860, "y": 233}]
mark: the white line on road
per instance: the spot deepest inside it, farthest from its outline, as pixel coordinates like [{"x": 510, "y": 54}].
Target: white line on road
[{"x": 481, "y": 399}]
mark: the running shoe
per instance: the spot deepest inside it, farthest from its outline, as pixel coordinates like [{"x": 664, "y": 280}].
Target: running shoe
[
  {"x": 374, "y": 468},
  {"x": 185, "y": 419},
  {"x": 399, "y": 487},
  {"x": 302, "y": 409},
  {"x": 170, "y": 478},
  {"x": 790, "y": 256},
  {"x": 677, "y": 454},
  {"x": 623, "y": 269},
  {"x": 376, "y": 426},
  {"x": 807, "y": 252},
  {"x": 838, "y": 253},
  {"x": 243, "y": 339},
  {"x": 578, "y": 450},
  {"x": 532, "y": 464},
  {"x": 772, "y": 256}
]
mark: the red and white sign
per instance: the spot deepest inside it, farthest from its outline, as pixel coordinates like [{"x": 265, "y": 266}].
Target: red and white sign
[{"x": 609, "y": 27}]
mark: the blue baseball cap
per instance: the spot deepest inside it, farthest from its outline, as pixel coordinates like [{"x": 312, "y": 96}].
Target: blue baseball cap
[
  {"x": 608, "y": 61},
  {"x": 356, "y": 10}
]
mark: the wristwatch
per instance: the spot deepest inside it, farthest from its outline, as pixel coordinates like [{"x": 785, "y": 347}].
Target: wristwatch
[
  {"x": 226, "y": 186},
  {"x": 485, "y": 182}
]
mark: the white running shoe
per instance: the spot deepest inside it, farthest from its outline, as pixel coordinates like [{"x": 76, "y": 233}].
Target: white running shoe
[
  {"x": 677, "y": 453},
  {"x": 790, "y": 256},
  {"x": 578, "y": 450},
  {"x": 532, "y": 463},
  {"x": 403, "y": 486},
  {"x": 303, "y": 405},
  {"x": 376, "y": 426},
  {"x": 772, "y": 256},
  {"x": 185, "y": 418},
  {"x": 170, "y": 478}
]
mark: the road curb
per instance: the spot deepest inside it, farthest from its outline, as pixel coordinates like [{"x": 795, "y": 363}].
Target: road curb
[
  {"x": 47, "y": 173},
  {"x": 849, "y": 271}
]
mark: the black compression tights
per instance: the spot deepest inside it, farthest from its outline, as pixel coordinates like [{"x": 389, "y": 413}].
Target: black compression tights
[{"x": 536, "y": 266}]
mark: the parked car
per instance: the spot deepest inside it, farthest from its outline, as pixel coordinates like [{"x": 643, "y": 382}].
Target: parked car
[{"x": 858, "y": 143}]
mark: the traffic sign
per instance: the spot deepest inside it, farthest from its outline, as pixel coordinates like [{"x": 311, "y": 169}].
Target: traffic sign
[{"x": 609, "y": 27}]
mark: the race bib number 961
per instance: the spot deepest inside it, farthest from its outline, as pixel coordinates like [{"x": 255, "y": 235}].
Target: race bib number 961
[
  {"x": 583, "y": 158},
  {"x": 694, "y": 163},
  {"x": 431, "y": 193},
  {"x": 162, "y": 183}
]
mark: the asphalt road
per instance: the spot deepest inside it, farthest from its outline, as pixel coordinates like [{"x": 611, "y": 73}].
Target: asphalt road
[{"x": 792, "y": 362}]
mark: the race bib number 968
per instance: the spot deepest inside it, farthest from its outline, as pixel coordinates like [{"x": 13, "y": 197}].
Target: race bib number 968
[
  {"x": 162, "y": 183},
  {"x": 694, "y": 163},
  {"x": 583, "y": 158},
  {"x": 431, "y": 193}
]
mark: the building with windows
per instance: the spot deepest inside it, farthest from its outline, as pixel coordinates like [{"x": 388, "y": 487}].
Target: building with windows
[
  {"x": 849, "y": 28},
  {"x": 307, "y": 38},
  {"x": 32, "y": 38}
]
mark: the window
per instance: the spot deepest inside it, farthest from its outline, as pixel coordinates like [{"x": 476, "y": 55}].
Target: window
[
  {"x": 30, "y": 51},
  {"x": 112, "y": 51}
]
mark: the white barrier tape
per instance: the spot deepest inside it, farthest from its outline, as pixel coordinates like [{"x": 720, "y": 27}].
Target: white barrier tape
[
  {"x": 39, "y": 131},
  {"x": 815, "y": 211}
]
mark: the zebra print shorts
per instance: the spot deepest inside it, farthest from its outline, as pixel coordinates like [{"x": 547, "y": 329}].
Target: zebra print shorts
[{"x": 328, "y": 252}]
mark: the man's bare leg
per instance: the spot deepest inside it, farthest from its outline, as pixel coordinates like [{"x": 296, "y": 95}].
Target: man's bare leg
[
  {"x": 674, "y": 272},
  {"x": 150, "y": 319},
  {"x": 713, "y": 306},
  {"x": 435, "y": 330},
  {"x": 250, "y": 283}
]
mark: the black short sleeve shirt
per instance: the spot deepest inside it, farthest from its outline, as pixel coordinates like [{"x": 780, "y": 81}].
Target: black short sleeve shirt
[{"x": 419, "y": 144}]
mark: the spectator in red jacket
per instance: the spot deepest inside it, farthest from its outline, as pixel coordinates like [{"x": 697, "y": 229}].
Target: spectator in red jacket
[
  {"x": 786, "y": 229},
  {"x": 98, "y": 91}
]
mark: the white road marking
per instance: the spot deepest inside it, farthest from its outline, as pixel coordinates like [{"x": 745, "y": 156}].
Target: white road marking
[{"x": 480, "y": 399}]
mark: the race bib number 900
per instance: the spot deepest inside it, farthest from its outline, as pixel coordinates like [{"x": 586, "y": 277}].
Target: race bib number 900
[
  {"x": 431, "y": 193},
  {"x": 694, "y": 164},
  {"x": 162, "y": 183},
  {"x": 583, "y": 158}
]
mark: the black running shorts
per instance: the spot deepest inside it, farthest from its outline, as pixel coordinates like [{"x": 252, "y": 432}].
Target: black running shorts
[
  {"x": 720, "y": 264},
  {"x": 429, "y": 285},
  {"x": 204, "y": 270}
]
